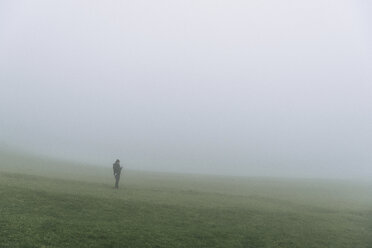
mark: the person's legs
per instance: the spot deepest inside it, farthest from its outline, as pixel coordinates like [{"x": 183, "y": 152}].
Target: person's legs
[{"x": 117, "y": 178}]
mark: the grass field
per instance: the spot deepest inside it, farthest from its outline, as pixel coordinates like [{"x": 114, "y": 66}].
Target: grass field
[{"x": 46, "y": 203}]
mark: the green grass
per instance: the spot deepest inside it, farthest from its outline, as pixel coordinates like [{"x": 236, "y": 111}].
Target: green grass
[{"x": 46, "y": 203}]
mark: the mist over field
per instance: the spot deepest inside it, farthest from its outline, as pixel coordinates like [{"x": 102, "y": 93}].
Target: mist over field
[
  {"x": 238, "y": 124},
  {"x": 254, "y": 88}
]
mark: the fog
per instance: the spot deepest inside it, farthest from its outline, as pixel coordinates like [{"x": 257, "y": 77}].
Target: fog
[{"x": 253, "y": 88}]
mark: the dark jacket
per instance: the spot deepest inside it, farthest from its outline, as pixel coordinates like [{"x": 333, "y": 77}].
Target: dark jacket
[{"x": 116, "y": 168}]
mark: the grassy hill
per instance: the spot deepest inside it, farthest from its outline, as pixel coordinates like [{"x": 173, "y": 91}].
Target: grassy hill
[{"x": 47, "y": 203}]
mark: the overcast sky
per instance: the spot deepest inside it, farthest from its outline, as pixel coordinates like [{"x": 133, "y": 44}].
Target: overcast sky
[{"x": 267, "y": 88}]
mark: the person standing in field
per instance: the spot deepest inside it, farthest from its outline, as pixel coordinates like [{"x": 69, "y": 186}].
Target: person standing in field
[{"x": 117, "y": 171}]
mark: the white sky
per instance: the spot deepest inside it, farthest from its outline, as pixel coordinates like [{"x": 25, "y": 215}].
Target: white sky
[{"x": 277, "y": 88}]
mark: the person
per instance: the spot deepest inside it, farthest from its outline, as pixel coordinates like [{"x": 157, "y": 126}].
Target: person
[{"x": 117, "y": 171}]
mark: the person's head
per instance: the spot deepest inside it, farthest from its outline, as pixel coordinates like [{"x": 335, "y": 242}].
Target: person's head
[{"x": 117, "y": 161}]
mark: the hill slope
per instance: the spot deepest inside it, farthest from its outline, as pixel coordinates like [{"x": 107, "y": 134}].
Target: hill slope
[{"x": 45, "y": 203}]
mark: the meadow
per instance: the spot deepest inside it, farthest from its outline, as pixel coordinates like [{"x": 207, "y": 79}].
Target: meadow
[{"x": 50, "y": 203}]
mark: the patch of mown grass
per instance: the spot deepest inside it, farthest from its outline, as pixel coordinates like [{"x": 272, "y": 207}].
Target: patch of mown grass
[
  {"x": 67, "y": 205},
  {"x": 45, "y": 212}
]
